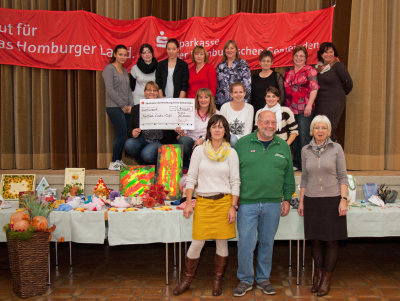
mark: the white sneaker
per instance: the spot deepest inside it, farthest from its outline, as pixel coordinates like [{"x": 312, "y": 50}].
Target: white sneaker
[
  {"x": 120, "y": 162},
  {"x": 295, "y": 168},
  {"x": 114, "y": 166}
]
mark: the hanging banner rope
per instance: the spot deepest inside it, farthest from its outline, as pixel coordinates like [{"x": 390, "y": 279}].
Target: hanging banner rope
[{"x": 83, "y": 40}]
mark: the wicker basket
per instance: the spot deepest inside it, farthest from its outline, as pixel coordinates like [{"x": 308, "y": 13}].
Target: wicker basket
[{"x": 29, "y": 264}]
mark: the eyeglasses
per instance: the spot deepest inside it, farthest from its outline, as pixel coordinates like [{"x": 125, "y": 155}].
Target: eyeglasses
[{"x": 267, "y": 122}]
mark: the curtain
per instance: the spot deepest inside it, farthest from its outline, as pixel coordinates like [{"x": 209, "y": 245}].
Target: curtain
[
  {"x": 372, "y": 124},
  {"x": 392, "y": 143}
]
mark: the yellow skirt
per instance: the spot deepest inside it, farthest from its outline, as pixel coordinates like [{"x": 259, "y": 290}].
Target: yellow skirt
[{"x": 210, "y": 219}]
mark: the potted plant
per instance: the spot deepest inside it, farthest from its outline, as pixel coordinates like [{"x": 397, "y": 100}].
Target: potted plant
[
  {"x": 72, "y": 190},
  {"x": 28, "y": 237}
]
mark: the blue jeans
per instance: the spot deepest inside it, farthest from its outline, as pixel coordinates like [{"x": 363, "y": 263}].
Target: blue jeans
[
  {"x": 120, "y": 121},
  {"x": 303, "y": 139},
  {"x": 187, "y": 144},
  {"x": 262, "y": 220},
  {"x": 143, "y": 152}
]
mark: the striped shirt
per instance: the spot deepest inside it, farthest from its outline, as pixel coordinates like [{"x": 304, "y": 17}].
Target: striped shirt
[{"x": 289, "y": 124}]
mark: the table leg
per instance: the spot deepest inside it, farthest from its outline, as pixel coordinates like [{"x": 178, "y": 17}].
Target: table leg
[
  {"x": 70, "y": 253},
  {"x": 166, "y": 263},
  {"x": 174, "y": 254},
  {"x": 56, "y": 253},
  {"x": 312, "y": 271},
  {"x": 180, "y": 261},
  {"x": 185, "y": 248},
  {"x": 290, "y": 254},
  {"x": 304, "y": 253},
  {"x": 298, "y": 263}
]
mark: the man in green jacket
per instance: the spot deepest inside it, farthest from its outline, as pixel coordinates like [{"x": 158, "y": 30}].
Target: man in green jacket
[{"x": 266, "y": 174}]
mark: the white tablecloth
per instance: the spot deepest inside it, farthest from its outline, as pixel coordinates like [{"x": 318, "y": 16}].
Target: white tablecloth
[
  {"x": 373, "y": 221},
  {"x": 143, "y": 226},
  {"x": 150, "y": 226},
  {"x": 75, "y": 226}
]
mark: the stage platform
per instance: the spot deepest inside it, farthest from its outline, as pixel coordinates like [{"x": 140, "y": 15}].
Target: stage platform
[{"x": 111, "y": 178}]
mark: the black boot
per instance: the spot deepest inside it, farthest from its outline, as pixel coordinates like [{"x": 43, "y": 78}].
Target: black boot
[
  {"x": 316, "y": 280},
  {"x": 325, "y": 284}
]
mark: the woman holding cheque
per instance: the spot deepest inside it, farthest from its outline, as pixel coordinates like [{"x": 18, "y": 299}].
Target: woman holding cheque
[
  {"x": 214, "y": 168},
  {"x": 143, "y": 145}
]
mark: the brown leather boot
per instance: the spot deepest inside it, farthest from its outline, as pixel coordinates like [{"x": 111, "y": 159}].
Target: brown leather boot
[
  {"x": 325, "y": 284},
  {"x": 220, "y": 264},
  {"x": 188, "y": 274},
  {"x": 316, "y": 280}
]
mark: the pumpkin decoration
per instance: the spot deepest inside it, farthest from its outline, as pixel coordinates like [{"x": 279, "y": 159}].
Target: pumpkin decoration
[
  {"x": 39, "y": 223},
  {"x": 18, "y": 216},
  {"x": 21, "y": 225}
]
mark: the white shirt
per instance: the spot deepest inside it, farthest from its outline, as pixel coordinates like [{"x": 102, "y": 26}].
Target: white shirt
[
  {"x": 169, "y": 88},
  {"x": 240, "y": 122},
  {"x": 213, "y": 177}
]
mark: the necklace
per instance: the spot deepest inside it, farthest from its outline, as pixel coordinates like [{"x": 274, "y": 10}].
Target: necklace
[{"x": 202, "y": 117}]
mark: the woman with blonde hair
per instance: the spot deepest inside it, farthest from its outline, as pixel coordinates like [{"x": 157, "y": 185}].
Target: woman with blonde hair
[
  {"x": 202, "y": 74},
  {"x": 231, "y": 69},
  {"x": 205, "y": 109}
]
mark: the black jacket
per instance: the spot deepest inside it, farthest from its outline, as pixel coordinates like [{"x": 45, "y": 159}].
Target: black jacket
[{"x": 180, "y": 76}]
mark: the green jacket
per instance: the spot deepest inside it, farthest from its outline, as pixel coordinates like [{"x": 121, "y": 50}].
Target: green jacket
[{"x": 266, "y": 174}]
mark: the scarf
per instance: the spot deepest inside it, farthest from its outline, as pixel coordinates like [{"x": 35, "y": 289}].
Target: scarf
[
  {"x": 220, "y": 155},
  {"x": 147, "y": 68},
  {"x": 278, "y": 113},
  {"x": 322, "y": 68},
  {"x": 319, "y": 149}
]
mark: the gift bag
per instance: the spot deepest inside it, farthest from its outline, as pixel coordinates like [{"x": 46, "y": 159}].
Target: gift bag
[{"x": 352, "y": 188}]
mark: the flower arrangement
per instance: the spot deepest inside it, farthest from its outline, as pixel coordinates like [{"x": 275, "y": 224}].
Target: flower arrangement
[{"x": 155, "y": 195}]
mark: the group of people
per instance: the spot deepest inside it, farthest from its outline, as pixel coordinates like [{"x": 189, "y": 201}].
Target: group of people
[{"x": 227, "y": 161}]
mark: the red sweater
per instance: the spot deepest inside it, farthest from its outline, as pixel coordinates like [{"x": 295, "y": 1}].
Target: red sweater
[{"x": 206, "y": 78}]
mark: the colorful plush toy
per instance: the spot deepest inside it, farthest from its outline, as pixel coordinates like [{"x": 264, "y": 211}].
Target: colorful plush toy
[
  {"x": 96, "y": 204},
  {"x": 120, "y": 202},
  {"x": 114, "y": 194},
  {"x": 72, "y": 203}
]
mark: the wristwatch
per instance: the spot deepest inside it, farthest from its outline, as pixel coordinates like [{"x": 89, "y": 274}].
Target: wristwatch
[
  {"x": 344, "y": 197},
  {"x": 235, "y": 206}
]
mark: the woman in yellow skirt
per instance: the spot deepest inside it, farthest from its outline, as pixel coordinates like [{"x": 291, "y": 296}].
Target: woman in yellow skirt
[{"x": 214, "y": 168}]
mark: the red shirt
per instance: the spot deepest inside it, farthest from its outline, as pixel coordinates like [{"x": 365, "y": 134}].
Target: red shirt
[
  {"x": 206, "y": 78},
  {"x": 298, "y": 87}
]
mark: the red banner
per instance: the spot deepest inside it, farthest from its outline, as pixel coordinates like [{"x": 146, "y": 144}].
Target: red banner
[{"x": 83, "y": 40}]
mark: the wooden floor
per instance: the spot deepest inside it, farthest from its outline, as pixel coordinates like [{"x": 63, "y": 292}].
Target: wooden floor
[{"x": 366, "y": 270}]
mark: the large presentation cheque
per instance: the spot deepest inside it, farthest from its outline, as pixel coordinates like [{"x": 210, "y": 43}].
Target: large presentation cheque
[{"x": 167, "y": 113}]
